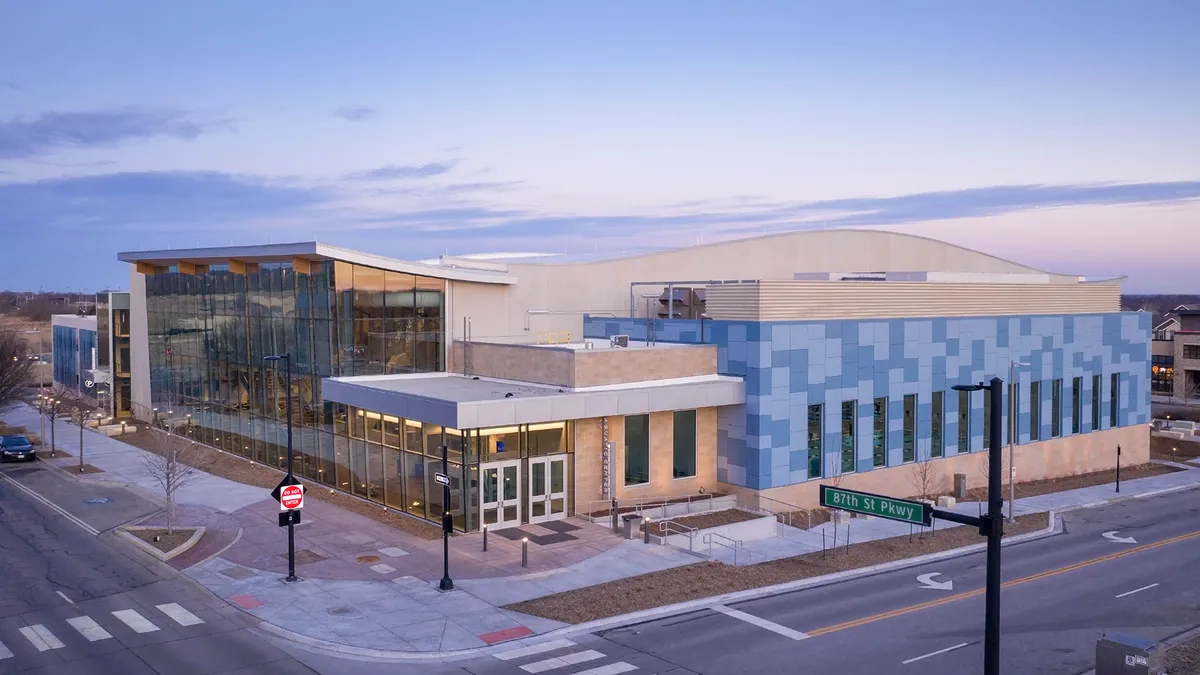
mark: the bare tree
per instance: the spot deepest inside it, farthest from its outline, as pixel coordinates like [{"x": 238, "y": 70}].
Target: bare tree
[
  {"x": 16, "y": 370},
  {"x": 1191, "y": 391},
  {"x": 54, "y": 404},
  {"x": 924, "y": 477},
  {"x": 173, "y": 462},
  {"x": 81, "y": 413}
]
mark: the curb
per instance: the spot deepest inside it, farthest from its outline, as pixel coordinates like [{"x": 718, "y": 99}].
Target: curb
[
  {"x": 633, "y": 618},
  {"x": 123, "y": 531},
  {"x": 1118, "y": 500}
]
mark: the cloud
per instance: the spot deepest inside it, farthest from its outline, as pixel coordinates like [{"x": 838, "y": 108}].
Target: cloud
[
  {"x": 22, "y": 138},
  {"x": 155, "y": 200},
  {"x": 355, "y": 113},
  {"x": 398, "y": 171}
]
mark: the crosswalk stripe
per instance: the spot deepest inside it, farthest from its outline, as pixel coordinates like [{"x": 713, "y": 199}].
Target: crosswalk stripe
[
  {"x": 179, "y": 614},
  {"x": 89, "y": 629},
  {"x": 39, "y": 636},
  {"x": 135, "y": 621},
  {"x": 534, "y": 649},
  {"x": 611, "y": 669},
  {"x": 571, "y": 659},
  {"x": 4, "y": 652}
]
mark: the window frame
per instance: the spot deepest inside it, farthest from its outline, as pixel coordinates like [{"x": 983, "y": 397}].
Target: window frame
[
  {"x": 628, "y": 451},
  {"x": 1056, "y": 408},
  {"x": 908, "y": 442},
  {"x": 849, "y": 422},
  {"x": 1035, "y": 410},
  {"x": 879, "y": 432},
  {"x": 689, "y": 449},
  {"x": 815, "y": 437},
  {"x": 964, "y": 422},
  {"x": 937, "y": 419}
]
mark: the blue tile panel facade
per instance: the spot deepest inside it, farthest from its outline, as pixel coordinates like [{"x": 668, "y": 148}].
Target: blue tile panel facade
[
  {"x": 790, "y": 365},
  {"x": 73, "y": 356}
]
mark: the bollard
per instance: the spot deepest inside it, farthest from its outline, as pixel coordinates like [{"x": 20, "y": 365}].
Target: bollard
[
  {"x": 615, "y": 526},
  {"x": 646, "y": 531},
  {"x": 485, "y": 537},
  {"x": 524, "y": 551}
]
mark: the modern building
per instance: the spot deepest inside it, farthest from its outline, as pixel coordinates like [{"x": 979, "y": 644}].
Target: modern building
[
  {"x": 1185, "y": 353},
  {"x": 73, "y": 340},
  {"x": 557, "y": 385},
  {"x": 113, "y": 369}
]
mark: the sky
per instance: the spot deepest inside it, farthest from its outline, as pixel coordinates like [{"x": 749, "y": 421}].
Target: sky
[{"x": 1062, "y": 135}]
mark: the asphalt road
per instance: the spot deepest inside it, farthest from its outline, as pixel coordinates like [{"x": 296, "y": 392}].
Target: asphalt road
[
  {"x": 1061, "y": 594},
  {"x": 76, "y": 603}
]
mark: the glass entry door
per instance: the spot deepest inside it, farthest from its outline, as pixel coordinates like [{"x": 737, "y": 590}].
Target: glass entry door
[
  {"x": 547, "y": 488},
  {"x": 499, "y": 494}
]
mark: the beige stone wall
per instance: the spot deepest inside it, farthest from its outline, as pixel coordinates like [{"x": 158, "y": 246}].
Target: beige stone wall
[
  {"x": 614, "y": 366},
  {"x": 1054, "y": 458},
  {"x": 1183, "y": 365},
  {"x": 563, "y": 367},
  {"x": 589, "y": 467}
]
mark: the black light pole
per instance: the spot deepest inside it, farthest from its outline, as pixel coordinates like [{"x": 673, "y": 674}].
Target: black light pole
[
  {"x": 1118, "y": 468},
  {"x": 287, "y": 364},
  {"x": 992, "y": 526},
  {"x": 447, "y": 583}
]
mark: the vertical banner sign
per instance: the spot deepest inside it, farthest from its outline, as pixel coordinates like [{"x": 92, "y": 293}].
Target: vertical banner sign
[{"x": 606, "y": 459}]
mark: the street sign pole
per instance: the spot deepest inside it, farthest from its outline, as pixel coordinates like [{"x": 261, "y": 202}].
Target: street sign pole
[
  {"x": 447, "y": 584},
  {"x": 287, "y": 366},
  {"x": 991, "y": 630}
]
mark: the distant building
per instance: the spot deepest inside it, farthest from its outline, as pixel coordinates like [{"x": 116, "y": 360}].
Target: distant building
[{"x": 74, "y": 349}]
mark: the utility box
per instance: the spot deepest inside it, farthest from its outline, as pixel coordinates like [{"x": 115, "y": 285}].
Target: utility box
[
  {"x": 633, "y": 525},
  {"x": 1120, "y": 654},
  {"x": 960, "y": 486}
]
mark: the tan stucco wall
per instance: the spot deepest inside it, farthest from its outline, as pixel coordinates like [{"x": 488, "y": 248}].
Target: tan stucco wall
[
  {"x": 589, "y": 467},
  {"x": 563, "y": 367},
  {"x": 1054, "y": 458},
  {"x": 498, "y": 313},
  {"x": 806, "y": 300}
]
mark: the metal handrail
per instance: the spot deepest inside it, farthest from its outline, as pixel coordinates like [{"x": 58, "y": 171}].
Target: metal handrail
[
  {"x": 670, "y": 527},
  {"x": 792, "y": 510},
  {"x": 663, "y": 503},
  {"x": 713, "y": 537}
]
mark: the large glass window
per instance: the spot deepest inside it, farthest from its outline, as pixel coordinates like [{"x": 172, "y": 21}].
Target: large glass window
[
  {"x": 937, "y": 440},
  {"x": 816, "y": 424},
  {"x": 964, "y": 421},
  {"x": 1095, "y": 403},
  {"x": 1035, "y": 411},
  {"x": 499, "y": 443},
  {"x": 1056, "y": 409},
  {"x": 550, "y": 438},
  {"x": 909, "y": 443},
  {"x": 849, "y": 414},
  {"x": 879, "y": 432},
  {"x": 637, "y": 449},
  {"x": 1114, "y": 400},
  {"x": 1076, "y": 404},
  {"x": 684, "y": 457}
]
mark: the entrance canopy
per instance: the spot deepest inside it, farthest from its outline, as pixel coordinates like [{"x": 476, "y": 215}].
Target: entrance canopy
[{"x": 462, "y": 402}]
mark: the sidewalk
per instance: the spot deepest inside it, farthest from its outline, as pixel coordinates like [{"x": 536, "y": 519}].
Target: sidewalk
[{"x": 371, "y": 590}]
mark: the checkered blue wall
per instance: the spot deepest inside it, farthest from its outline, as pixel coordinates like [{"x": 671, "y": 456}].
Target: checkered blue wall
[{"x": 790, "y": 365}]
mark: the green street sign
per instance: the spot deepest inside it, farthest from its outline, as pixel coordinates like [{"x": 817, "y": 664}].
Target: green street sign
[{"x": 903, "y": 510}]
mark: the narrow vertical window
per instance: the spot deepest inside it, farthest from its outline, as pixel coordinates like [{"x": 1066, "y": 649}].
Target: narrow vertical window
[
  {"x": 848, "y": 416},
  {"x": 637, "y": 449},
  {"x": 1095, "y": 403},
  {"x": 1114, "y": 401},
  {"x": 987, "y": 418},
  {"x": 1056, "y": 409},
  {"x": 1035, "y": 411},
  {"x": 1076, "y": 404},
  {"x": 910, "y": 428},
  {"x": 937, "y": 443},
  {"x": 879, "y": 438},
  {"x": 964, "y": 421},
  {"x": 816, "y": 429}
]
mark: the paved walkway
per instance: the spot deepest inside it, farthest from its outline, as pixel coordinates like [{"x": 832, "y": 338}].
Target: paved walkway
[{"x": 367, "y": 586}]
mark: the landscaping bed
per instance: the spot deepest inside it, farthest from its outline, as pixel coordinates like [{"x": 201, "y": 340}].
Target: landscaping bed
[
  {"x": 167, "y": 541},
  {"x": 702, "y": 580},
  {"x": 1042, "y": 487},
  {"x": 702, "y": 521},
  {"x": 1183, "y": 658},
  {"x": 607, "y": 510},
  {"x": 242, "y": 470},
  {"x": 1160, "y": 448}
]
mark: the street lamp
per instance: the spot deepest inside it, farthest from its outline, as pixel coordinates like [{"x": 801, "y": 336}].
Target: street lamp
[
  {"x": 992, "y": 526},
  {"x": 287, "y": 364},
  {"x": 1012, "y": 432}
]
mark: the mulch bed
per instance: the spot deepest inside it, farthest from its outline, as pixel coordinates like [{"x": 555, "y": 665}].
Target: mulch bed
[
  {"x": 242, "y": 470},
  {"x": 1042, "y": 487},
  {"x": 1183, "y": 658},
  {"x": 702, "y": 580},
  {"x": 167, "y": 542},
  {"x": 1160, "y": 448},
  {"x": 77, "y": 470},
  {"x": 702, "y": 521}
]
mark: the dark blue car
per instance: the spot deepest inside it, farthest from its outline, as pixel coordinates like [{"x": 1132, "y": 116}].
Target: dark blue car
[{"x": 16, "y": 448}]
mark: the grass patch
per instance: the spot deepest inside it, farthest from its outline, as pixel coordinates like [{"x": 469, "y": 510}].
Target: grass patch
[{"x": 702, "y": 580}]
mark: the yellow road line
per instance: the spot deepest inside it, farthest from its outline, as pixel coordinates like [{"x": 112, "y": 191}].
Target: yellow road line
[{"x": 1015, "y": 582}]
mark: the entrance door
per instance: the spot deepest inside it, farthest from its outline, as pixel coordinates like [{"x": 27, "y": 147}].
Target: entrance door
[
  {"x": 547, "y": 488},
  {"x": 499, "y": 494}
]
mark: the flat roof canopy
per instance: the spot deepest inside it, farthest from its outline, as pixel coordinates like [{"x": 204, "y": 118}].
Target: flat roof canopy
[{"x": 462, "y": 402}]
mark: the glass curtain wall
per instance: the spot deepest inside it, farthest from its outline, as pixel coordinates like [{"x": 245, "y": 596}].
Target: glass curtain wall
[{"x": 209, "y": 332}]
